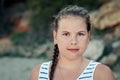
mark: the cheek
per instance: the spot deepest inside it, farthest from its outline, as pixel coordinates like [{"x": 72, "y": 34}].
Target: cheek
[
  {"x": 61, "y": 38},
  {"x": 62, "y": 43}
]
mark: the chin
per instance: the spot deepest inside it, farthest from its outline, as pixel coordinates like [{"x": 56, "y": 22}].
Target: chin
[{"x": 75, "y": 57}]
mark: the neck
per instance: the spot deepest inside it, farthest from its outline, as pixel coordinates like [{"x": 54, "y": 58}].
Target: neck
[{"x": 70, "y": 64}]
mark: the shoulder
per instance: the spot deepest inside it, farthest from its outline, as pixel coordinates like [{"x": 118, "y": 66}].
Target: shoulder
[
  {"x": 35, "y": 72},
  {"x": 103, "y": 72}
]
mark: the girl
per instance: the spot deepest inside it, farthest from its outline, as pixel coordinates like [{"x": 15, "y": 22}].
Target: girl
[{"x": 71, "y": 36}]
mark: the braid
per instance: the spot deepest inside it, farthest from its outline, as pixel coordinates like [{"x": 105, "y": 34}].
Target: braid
[{"x": 54, "y": 61}]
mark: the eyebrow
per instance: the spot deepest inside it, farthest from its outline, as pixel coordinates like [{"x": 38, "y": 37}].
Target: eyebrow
[{"x": 77, "y": 32}]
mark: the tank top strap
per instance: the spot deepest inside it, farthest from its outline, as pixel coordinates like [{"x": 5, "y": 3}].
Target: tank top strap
[
  {"x": 44, "y": 71},
  {"x": 88, "y": 72}
]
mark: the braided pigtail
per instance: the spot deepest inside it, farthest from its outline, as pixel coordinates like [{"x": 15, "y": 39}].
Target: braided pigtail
[{"x": 54, "y": 61}]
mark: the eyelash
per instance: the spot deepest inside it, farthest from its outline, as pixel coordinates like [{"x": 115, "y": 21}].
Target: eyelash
[
  {"x": 67, "y": 34},
  {"x": 81, "y": 34}
]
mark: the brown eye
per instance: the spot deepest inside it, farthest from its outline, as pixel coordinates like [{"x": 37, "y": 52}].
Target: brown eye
[
  {"x": 66, "y": 34},
  {"x": 81, "y": 34}
]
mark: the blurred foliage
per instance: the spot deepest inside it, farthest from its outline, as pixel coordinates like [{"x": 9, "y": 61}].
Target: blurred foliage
[
  {"x": 44, "y": 10},
  {"x": 5, "y": 28},
  {"x": 42, "y": 16}
]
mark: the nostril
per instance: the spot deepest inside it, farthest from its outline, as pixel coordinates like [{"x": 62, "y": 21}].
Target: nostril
[{"x": 73, "y": 42}]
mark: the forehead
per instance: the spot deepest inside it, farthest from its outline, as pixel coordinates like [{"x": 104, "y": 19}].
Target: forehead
[{"x": 72, "y": 23}]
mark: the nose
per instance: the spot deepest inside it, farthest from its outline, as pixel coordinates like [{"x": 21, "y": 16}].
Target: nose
[{"x": 73, "y": 41}]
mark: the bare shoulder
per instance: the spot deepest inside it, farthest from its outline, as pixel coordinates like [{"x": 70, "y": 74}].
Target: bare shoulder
[
  {"x": 103, "y": 72},
  {"x": 35, "y": 72}
]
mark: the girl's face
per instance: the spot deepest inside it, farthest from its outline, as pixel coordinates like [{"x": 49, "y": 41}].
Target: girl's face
[{"x": 72, "y": 37}]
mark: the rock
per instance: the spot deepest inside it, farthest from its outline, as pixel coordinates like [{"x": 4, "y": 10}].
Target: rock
[
  {"x": 95, "y": 49},
  {"x": 104, "y": 1},
  {"x": 50, "y": 50},
  {"x": 6, "y": 45},
  {"x": 21, "y": 24},
  {"x": 116, "y": 47},
  {"x": 45, "y": 49},
  {"x": 109, "y": 20},
  {"x": 110, "y": 59},
  {"x": 108, "y": 36},
  {"x": 41, "y": 49},
  {"x": 116, "y": 44},
  {"x": 107, "y": 16},
  {"x": 117, "y": 31}
]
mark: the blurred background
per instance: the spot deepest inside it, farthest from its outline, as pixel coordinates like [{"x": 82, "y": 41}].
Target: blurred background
[{"x": 26, "y": 39}]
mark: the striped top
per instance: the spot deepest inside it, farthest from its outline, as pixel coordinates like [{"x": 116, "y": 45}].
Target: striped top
[{"x": 87, "y": 73}]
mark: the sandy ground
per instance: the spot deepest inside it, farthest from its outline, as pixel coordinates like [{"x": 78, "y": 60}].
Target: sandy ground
[
  {"x": 17, "y": 68},
  {"x": 20, "y": 68}
]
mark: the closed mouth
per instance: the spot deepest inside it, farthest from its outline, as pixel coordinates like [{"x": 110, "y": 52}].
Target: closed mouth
[{"x": 73, "y": 50}]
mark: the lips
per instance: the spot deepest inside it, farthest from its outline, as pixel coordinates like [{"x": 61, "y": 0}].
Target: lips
[{"x": 73, "y": 50}]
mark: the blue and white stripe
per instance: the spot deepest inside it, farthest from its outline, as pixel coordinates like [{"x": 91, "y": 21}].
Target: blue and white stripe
[
  {"x": 44, "y": 71},
  {"x": 87, "y": 74}
]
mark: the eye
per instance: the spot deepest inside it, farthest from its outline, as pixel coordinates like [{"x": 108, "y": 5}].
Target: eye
[
  {"x": 81, "y": 34},
  {"x": 66, "y": 34}
]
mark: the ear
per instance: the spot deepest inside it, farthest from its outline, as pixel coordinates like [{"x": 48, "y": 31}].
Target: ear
[{"x": 55, "y": 36}]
